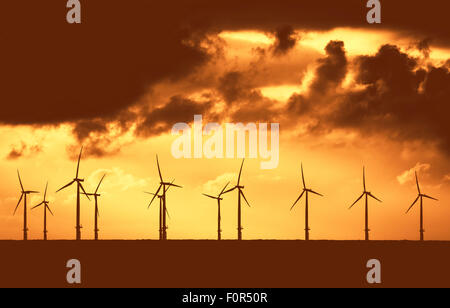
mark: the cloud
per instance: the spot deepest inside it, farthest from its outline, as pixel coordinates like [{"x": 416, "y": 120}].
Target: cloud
[
  {"x": 96, "y": 69},
  {"x": 117, "y": 179},
  {"x": 179, "y": 109},
  {"x": 23, "y": 150},
  {"x": 215, "y": 186},
  {"x": 235, "y": 86},
  {"x": 424, "y": 47},
  {"x": 285, "y": 39},
  {"x": 392, "y": 96},
  {"x": 332, "y": 69},
  {"x": 103, "y": 67},
  {"x": 409, "y": 175},
  {"x": 99, "y": 75}
]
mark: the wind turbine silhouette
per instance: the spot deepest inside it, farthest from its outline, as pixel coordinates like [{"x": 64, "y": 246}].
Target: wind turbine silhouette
[
  {"x": 79, "y": 186},
  {"x": 218, "y": 198},
  {"x": 46, "y": 207},
  {"x": 96, "y": 213},
  {"x": 367, "y": 194},
  {"x": 305, "y": 192},
  {"x": 240, "y": 193},
  {"x": 23, "y": 196},
  {"x": 160, "y": 197},
  {"x": 420, "y": 196},
  {"x": 163, "y": 185}
]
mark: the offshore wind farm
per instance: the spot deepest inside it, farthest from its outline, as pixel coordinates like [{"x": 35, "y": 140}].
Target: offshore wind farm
[{"x": 161, "y": 195}]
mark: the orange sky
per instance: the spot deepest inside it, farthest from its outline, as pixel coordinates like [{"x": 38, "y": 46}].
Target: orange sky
[{"x": 333, "y": 166}]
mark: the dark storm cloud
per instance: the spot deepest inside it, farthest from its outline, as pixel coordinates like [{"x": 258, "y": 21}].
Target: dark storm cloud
[
  {"x": 91, "y": 74},
  {"x": 237, "y": 86},
  {"x": 398, "y": 99},
  {"x": 328, "y": 76},
  {"x": 178, "y": 109},
  {"x": 53, "y": 72},
  {"x": 332, "y": 69},
  {"x": 285, "y": 40},
  {"x": 411, "y": 17},
  {"x": 424, "y": 47}
]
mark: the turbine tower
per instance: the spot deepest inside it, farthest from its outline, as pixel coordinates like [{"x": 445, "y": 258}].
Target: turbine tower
[
  {"x": 163, "y": 185},
  {"x": 46, "y": 207},
  {"x": 160, "y": 197},
  {"x": 79, "y": 186},
  {"x": 218, "y": 198},
  {"x": 420, "y": 196},
  {"x": 96, "y": 195},
  {"x": 366, "y": 194},
  {"x": 305, "y": 192},
  {"x": 24, "y": 194},
  {"x": 240, "y": 193}
]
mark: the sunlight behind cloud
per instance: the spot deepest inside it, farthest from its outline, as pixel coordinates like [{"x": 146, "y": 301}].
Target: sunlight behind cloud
[{"x": 249, "y": 36}]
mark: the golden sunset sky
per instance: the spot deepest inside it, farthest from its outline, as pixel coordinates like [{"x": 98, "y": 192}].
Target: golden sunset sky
[{"x": 343, "y": 98}]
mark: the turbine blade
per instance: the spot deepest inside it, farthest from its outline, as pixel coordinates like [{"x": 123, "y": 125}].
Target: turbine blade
[
  {"x": 370, "y": 194},
  {"x": 303, "y": 178},
  {"x": 413, "y": 204},
  {"x": 167, "y": 212},
  {"x": 356, "y": 201},
  {"x": 37, "y": 205},
  {"x": 84, "y": 192},
  {"x": 45, "y": 193},
  {"x": 78, "y": 165},
  {"x": 18, "y": 203},
  {"x": 175, "y": 185},
  {"x": 417, "y": 182},
  {"x": 65, "y": 186},
  {"x": 242, "y": 193},
  {"x": 312, "y": 191},
  {"x": 146, "y": 192},
  {"x": 100, "y": 184},
  {"x": 230, "y": 190},
  {"x": 301, "y": 195},
  {"x": 159, "y": 169},
  {"x": 429, "y": 197},
  {"x": 48, "y": 208},
  {"x": 240, "y": 172},
  {"x": 364, "y": 178},
  {"x": 210, "y": 196},
  {"x": 154, "y": 196},
  {"x": 20, "y": 180},
  {"x": 221, "y": 193}
]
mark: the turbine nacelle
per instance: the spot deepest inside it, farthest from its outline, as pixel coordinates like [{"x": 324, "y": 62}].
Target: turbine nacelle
[
  {"x": 30, "y": 192},
  {"x": 420, "y": 195},
  {"x": 307, "y": 190}
]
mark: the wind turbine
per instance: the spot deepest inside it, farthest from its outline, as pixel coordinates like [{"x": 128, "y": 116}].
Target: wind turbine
[
  {"x": 366, "y": 194},
  {"x": 23, "y": 196},
  {"x": 96, "y": 214},
  {"x": 218, "y": 198},
  {"x": 79, "y": 186},
  {"x": 160, "y": 197},
  {"x": 46, "y": 207},
  {"x": 163, "y": 185},
  {"x": 420, "y": 196},
  {"x": 240, "y": 193},
  {"x": 305, "y": 192}
]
